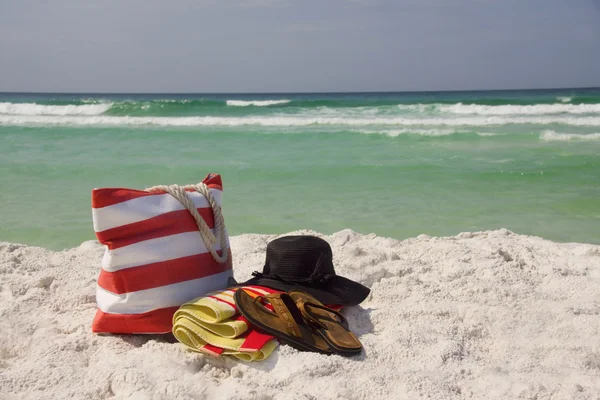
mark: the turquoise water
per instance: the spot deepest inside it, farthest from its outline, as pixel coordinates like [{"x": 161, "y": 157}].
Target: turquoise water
[{"x": 393, "y": 164}]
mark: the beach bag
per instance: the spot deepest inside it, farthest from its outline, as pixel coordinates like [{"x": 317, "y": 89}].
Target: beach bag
[{"x": 165, "y": 246}]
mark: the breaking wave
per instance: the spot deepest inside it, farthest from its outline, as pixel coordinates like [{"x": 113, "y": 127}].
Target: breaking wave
[
  {"x": 537, "y": 109},
  {"x": 420, "y": 132},
  {"x": 221, "y": 108},
  {"x": 41, "y": 109},
  {"x": 564, "y": 99},
  {"x": 256, "y": 103},
  {"x": 287, "y": 120},
  {"x": 552, "y": 136}
]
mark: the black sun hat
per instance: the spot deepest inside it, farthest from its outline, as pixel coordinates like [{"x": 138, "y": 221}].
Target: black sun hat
[{"x": 306, "y": 263}]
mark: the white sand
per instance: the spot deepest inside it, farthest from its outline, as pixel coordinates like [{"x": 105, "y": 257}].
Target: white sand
[{"x": 483, "y": 315}]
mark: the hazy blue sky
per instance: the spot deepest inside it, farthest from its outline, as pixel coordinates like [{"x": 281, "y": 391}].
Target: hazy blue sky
[{"x": 301, "y": 45}]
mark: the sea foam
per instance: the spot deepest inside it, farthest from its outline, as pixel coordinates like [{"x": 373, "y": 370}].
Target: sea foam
[
  {"x": 292, "y": 121},
  {"x": 537, "y": 109},
  {"x": 41, "y": 109},
  {"x": 257, "y": 103},
  {"x": 552, "y": 136},
  {"x": 413, "y": 131}
]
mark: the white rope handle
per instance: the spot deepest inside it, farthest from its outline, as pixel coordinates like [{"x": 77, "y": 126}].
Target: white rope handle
[{"x": 209, "y": 239}]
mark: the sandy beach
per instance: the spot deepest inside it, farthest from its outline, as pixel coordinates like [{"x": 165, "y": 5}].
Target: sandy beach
[
  {"x": 447, "y": 152},
  {"x": 492, "y": 315}
]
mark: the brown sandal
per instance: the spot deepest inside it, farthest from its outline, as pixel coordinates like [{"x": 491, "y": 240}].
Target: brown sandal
[
  {"x": 286, "y": 323},
  {"x": 330, "y": 324}
]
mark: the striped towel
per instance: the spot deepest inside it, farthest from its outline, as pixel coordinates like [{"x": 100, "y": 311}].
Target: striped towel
[
  {"x": 155, "y": 259},
  {"x": 211, "y": 324}
]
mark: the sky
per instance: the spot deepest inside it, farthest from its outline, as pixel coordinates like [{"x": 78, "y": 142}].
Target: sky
[{"x": 225, "y": 46}]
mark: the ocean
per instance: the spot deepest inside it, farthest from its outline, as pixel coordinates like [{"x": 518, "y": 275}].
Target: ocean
[{"x": 392, "y": 164}]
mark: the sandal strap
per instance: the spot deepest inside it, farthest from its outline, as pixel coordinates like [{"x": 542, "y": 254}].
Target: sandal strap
[
  {"x": 310, "y": 316},
  {"x": 285, "y": 308}
]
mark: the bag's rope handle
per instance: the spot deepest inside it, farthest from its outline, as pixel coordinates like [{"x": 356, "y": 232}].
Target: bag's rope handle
[{"x": 209, "y": 239}]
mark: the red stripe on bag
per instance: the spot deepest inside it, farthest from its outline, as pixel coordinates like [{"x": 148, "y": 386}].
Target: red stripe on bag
[
  {"x": 108, "y": 196},
  {"x": 162, "y": 273},
  {"x": 111, "y": 196},
  {"x": 156, "y": 321},
  {"x": 169, "y": 223}
]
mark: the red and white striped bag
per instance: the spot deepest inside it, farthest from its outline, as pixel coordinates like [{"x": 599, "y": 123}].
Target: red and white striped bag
[{"x": 157, "y": 257}]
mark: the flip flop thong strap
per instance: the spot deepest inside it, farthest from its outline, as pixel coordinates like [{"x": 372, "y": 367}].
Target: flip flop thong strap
[
  {"x": 283, "y": 312},
  {"x": 310, "y": 316}
]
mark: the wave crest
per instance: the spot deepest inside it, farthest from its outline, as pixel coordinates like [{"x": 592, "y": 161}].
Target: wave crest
[
  {"x": 537, "y": 109},
  {"x": 552, "y": 136},
  {"x": 292, "y": 121},
  {"x": 564, "y": 99},
  {"x": 256, "y": 103},
  {"x": 34, "y": 109},
  {"x": 413, "y": 131}
]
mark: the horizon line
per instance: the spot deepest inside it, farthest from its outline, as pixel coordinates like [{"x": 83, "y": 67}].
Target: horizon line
[{"x": 309, "y": 92}]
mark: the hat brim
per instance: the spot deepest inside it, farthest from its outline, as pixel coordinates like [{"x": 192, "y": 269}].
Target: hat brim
[{"x": 337, "y": 291}]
